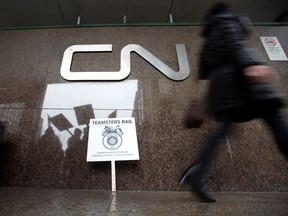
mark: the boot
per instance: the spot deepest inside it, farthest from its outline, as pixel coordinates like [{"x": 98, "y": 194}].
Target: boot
[{"x": 195, "y": 177}]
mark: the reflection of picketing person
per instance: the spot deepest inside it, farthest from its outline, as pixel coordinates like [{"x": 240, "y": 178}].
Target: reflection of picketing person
[
  {"x": 49, "y": 156},
  {"x": 234, "y": 73},
  {"x": 2, "y": 131}
]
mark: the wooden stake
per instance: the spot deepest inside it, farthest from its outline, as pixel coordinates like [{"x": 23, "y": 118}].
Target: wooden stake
[{"x": 113, "y": 176}]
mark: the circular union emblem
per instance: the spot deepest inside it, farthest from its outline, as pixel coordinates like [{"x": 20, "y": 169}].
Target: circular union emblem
[{"x": 112, "y": 141}]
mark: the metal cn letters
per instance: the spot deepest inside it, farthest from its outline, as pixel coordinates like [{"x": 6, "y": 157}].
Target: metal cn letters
[{"x": 125, "y": 64}]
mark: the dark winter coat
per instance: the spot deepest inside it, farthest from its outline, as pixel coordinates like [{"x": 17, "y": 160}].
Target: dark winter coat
[{"x": 223, "y": 57}]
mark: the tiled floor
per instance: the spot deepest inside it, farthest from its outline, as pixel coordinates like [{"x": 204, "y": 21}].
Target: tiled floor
[{"x": 30, "y": 202}]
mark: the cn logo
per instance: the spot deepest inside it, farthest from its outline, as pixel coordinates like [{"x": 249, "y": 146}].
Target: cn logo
[{"x": 125, "y": 66}]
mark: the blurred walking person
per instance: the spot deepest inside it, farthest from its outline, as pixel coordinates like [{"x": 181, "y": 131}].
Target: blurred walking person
[{"x": 240, "y": 89}]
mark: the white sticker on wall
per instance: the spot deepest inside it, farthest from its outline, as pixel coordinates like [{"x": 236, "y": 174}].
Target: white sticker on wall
[{"x": 273, "y": 49}]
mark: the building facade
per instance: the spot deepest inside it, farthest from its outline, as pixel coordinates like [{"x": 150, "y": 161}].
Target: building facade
[{"x": 47, "y": 116}]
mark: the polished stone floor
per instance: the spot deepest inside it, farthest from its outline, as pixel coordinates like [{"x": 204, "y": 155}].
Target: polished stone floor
[{"x": 26, "y": 201}]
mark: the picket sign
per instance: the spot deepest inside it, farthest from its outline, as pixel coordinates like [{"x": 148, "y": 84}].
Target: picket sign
[{"x": 112, "y": 139}]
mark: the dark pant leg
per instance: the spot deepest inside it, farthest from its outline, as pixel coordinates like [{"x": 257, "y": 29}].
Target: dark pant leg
[
  {"x": 212, "y": 144},
  {"x": 279, "y": 128}
]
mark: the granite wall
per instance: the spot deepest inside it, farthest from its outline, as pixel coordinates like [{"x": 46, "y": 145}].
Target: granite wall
[{"x": 46, "y": 116}]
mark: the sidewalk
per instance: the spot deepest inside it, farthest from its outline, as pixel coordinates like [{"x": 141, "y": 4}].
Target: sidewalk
[{"x": 42, "y": 202}]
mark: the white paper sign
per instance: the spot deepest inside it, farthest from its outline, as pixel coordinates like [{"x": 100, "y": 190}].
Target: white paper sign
[
  {"x": 273, "y": 49},
  {"x": 112, "y": 139}
]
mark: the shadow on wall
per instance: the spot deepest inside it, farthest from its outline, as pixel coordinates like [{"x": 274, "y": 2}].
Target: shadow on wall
[
  {"x": 57, "y": 159},
  {"x": 71, "y": 105},
  {"x": 59, "y": 156}
]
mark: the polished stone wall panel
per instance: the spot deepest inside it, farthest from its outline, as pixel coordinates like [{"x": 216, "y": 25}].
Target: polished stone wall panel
[
  {"x": 45, "y": 142},
  {"x": 25, "y": 56}
]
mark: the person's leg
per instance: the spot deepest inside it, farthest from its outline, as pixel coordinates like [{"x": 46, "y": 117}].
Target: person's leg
[
  {"x": 279, "y": 128},
  {"x": 212, "y": 144},
  {"x": 195, "y": 174}
]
